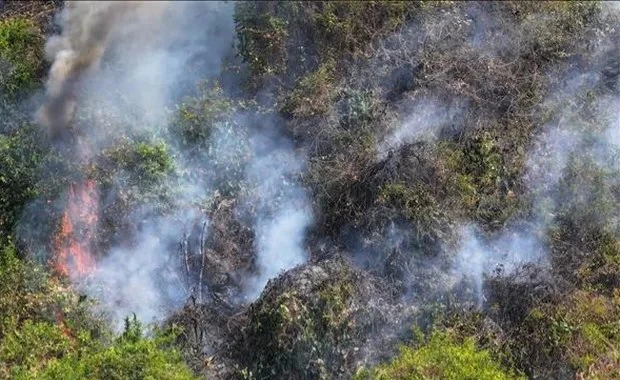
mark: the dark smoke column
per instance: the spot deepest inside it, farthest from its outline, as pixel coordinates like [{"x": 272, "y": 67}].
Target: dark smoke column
[{"x": 86, "y": 30}]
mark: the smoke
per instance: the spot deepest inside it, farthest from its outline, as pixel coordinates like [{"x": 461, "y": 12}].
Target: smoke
[
  {"x": 118, "y": 69},
  {"x": 87, "y": 29},
  {"x": 125, "y": 62},
  {"x": 143, "y": 277},
  {"x": 284, "y": 211},
  {"x": 481, "y": 256},
  {"x": 423, "y": 121},
  {"x": 584, "y": 126}
]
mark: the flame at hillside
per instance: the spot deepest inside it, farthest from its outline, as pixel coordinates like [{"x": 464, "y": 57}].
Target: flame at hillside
[{"x": 72, "y": 243}]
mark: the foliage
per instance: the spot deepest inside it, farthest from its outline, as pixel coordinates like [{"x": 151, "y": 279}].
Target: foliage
[
  {"x": 21, "y": 55},
  {"x": 261, "y": 36},
  {"x": 41, "y": 318},
  {"x": 131, "y": 356},
  {"x": 21, "y": 160},
  {"x": 481, "y": 179},
  {"x": 213, "y": 128},
  {"x": 347, "y": 26},
  {"x": 419, "y": 208},
  {"x": 292, "y": 38},
  {"x": 49, "y": 332},
  {"x": 196, "y": 116},
  {"x": 339, "y": 78},
  {"x": 586, "y": 234},
  {"x": 140, "y": 169},
  {"x": 440, "y": 358}
]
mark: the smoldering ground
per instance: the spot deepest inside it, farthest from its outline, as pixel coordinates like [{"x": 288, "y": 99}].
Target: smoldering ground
[{"x": 135, "y": 69}]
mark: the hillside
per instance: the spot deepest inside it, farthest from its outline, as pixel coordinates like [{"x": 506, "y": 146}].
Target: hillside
[{"x": 310, "y": 190}]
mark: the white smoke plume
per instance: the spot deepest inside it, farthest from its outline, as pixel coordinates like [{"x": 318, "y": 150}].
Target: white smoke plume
[
  {"x": 558, "y": 141},
  {"x": 504, "y": 254},
  {"x": 143, "y": 277},
  {"x": 284, "y": 212},
  {"x": 117, "y": 69},
  {"x": 125, "y": 63},
  {"x": 422, "y": 121}
]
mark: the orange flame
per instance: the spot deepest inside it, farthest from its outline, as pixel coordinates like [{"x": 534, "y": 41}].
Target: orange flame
[{"x": 72, "y": 245}]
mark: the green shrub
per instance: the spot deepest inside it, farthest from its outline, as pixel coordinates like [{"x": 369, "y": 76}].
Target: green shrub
[
  {"x": 349, "y": 26},
  {"x": 550, "y": 27},
  {"x": 479, "y": 178},
  {"x": 440, "y": 358},
  {"x": 21, "y": 55},
  {"x": 29, "y": 170},
  {"x": 197, "y": 116},
  {"x": 307, "y": 332},
  {"x": 29, "y": 348},
  {"x": 586, "y": 228},
  {"x": 595, "y": 334},
  {"x": 49, "y": 332},
  {"x": 42, "y": 319},
  {"x": 289, "y": 38},
  {"x": 20, "y": 162},
  {"x": 131, "y": 356},
  {"x": 139, "y": 168},
  {"x": 420, "y": 209}
]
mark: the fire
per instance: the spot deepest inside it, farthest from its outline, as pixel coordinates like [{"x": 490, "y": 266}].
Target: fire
[{"x": 73, "y": 242}]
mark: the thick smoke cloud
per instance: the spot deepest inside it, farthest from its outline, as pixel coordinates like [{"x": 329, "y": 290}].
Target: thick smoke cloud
[
  {"x": 87, "y": 29},
  {"x": 144, "y": 277},
  {"x": 118, "y": 68}
]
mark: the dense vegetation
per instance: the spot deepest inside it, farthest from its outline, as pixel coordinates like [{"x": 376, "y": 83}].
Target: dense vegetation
[{"x": 419, "y": 122}]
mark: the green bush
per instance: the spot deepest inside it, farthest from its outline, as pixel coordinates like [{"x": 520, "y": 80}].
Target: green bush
[
  {"x": 480, "y": 179},
  {"x": 420, "y": 209},
  {"x": 349, "y": 26},
  {"x": 29, "y": 170},
  {"x": 307, "y": 333},
  {"x": 291, "y": 38},
  {"x": 20, "y": 163},
  {"x": 42, "y": 319},
  {"x": 49, "y": 332},
  {"x": 140, "y": 169},
  {"x": 131, "y": 356},
  {"x": 440, "y": 358},
  {"x": 262, "y": 36},
  {"x": 197, "y": 116},
  {"x": 21, "y": 55},
  {"x": 28, "y": 349}
]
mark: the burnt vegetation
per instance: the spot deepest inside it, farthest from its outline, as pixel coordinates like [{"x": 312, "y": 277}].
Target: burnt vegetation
[{"x": 423, "y": 126}]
